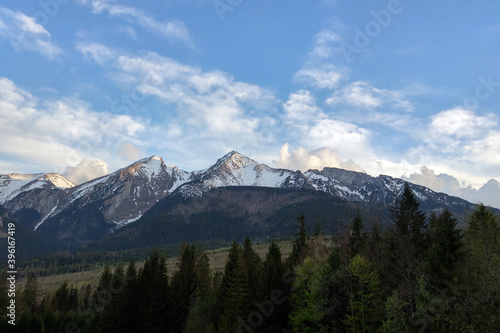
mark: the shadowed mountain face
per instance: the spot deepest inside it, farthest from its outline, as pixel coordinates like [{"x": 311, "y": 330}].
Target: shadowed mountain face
[{"x": 149, "y": 202}]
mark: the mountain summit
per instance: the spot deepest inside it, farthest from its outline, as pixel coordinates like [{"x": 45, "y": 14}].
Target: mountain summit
[{"x": 81, "y": 214}]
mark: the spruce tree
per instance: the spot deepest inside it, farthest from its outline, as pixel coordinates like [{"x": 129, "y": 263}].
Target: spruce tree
[
  {"x": 299, "y": 244},
  {"x": 231, "y": 264},
  {"x": 273, "y": 272},
  {"x": 237, "y": 299},
  {"x": 183, "y": 286},
  {"x": 29, "y": 296},
  {"x": 254, "y": 266},
  {"x": 364, "y": 299},
  {"x": 153, "y": 301},
  {"x": 445, "y": 251},
  {"x": 356, "y": 240}
]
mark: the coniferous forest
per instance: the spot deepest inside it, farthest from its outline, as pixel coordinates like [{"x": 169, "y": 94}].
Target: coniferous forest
[{"x": 422, "y": 275}]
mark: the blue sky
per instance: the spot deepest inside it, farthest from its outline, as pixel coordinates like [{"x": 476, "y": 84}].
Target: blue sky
[{"x": 405, "y": 88}]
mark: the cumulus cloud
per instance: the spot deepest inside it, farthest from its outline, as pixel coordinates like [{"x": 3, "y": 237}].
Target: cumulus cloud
[
  {"x": 459, "y": 122},
  {"x": 209, "y": 103},
  {"x": 58, "y": 133},
  {"x": 488, "y": 194},
  {"x": 25, "y": 34},
  {"x": 301, "y": 109},
  {"x": 302, "y": 159},
  {"x": 86, "y": 170}
]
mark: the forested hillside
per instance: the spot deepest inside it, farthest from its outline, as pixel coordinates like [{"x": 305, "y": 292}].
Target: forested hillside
[{"x": 423, "y": 275}]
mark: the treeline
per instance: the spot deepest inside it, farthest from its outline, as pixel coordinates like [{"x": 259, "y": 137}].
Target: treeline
[
  {"x": 424, "y": 274},
  {"x": 64, "y": 262}
]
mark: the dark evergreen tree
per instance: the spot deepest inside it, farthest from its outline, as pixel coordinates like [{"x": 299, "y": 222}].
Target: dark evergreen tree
[
  {"x": 153, "y": 301},
  {"x": 114, "y": 314},
  {"x": 237, "y": 300},
  {"x": 102, "y": 294},
  {"x": 445, "y": 251},
  {"x": 183, "y": 287},
  {"x": 299, "y": 244},
  {"x": 411, "y": 220},
  {"x": 254, "y": 266},
  {"x": 356, "y": 240},
  {"x": 334, "y": 295},
  {"x": 274, "y": 282},
  {"x": 30, "y": 293},
  {"x": 231, "y": 263}
]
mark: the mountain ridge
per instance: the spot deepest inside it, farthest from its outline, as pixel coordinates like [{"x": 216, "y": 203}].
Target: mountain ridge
[{"x": 86, "y": 212}]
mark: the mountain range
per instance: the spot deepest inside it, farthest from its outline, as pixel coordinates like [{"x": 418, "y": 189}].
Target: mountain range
[{"x": 150, "y": 203}]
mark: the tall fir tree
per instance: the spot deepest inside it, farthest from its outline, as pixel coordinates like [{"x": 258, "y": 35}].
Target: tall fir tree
[
  {"x": 231, "y": 264},
  {"x": 357, "y": 239},
  {"x": 445, "y": 251},
  {"x": 183, "y": 286},
  {"x": 364, "y": 299},
  {"x": 237, "y": 299},
  {"x": 153, "y": 301},
  {"x": 254, "y": 266},
  {"x": 273, "y": 281},
  {"x": 299, "y": 244},
  {"x": 29, "y": 296}
]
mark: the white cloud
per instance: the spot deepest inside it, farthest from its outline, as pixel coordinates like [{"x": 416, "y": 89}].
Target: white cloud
[
  {"x": 300, "y": 109},
  {"x": 326, "y": 45},
  {"x": 459, "y": 123},
  {"x": 212, "y": 102},
  {"x": 96, "y": 52},
  {"x": 488, "y": 194},
  {"x": 25, "y": 34},
  {"x": 321, "y": 78},
  {"x": 172, "y": 29},
  {"x": 363, "y": 95},
  {"x": 302, "y": 159},
  {"x": 86, "y": 170},
  {"x": 58, "y": 133}
]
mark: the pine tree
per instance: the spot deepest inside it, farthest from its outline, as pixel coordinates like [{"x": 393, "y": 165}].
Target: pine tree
[
  {"x": 237, "y": 300},
  {"x": 153, "y": 300},
  {"x": 364, "y": 300},
  {"x": 412, "y": 221},
  {"x": 231, "y": 263},
  {"x": 114, "y": 315},
  {"x": 273, "y": 271},
  {"x": 29, "y": 296},
  {"x": 183, "y": 286},
  {"x": 254, "y": 266},
  {"x": 299, "y": 244},
  {"x": 444, "y": 253},
  {"x": 202, "y": 310},
  {"x": 102, "y": 294},
  {"x": 356, "y": 240},
  {"x": 305, "y": 298},
  {"x": 334, "y": 295}
]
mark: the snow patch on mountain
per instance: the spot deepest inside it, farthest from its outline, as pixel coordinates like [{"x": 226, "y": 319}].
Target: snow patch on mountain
[{"x": 14, "y": 184}]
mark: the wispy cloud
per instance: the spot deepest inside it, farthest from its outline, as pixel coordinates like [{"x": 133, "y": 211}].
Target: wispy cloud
[
  {"x": 363, "y": 95},
  {"x": 174, "y": 30},
  {"x": 96, "y": 52},
  {"x": 25, "y": 34}
]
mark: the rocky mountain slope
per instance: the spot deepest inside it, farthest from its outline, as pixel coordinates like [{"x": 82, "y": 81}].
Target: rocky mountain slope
[{"x": 85, "y": 213}]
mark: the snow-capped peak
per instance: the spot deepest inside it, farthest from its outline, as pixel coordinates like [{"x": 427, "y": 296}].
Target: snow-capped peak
[
  {"x": 233, "y": 161},
  {"x": 15, "y": 183}
]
